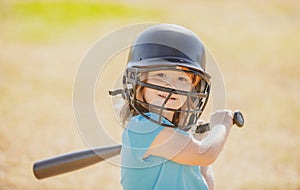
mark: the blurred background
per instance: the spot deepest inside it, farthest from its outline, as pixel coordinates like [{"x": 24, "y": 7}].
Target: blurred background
[{"x": 256, "y": 44}]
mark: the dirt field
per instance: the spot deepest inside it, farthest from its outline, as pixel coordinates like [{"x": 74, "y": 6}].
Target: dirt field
[{"x": 256, "y": 45}]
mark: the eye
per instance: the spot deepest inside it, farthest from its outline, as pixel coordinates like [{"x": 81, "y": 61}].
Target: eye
[
  {"x": 161, "y": 75},
  {"x": 182, "y": 79}
]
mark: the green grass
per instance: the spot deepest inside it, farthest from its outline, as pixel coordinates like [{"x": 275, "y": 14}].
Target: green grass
[
  {"x": 40, "y": 21},
  {"x": 66, "y": 13}
]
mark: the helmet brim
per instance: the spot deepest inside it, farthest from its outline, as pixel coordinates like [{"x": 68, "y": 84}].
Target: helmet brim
[{"x": 165, "y": 62}]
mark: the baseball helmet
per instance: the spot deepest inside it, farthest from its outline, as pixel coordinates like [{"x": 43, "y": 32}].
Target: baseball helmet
[{"x": 167, "y": 47}]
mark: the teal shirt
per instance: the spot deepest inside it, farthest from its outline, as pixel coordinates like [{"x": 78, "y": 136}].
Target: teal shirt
[{"x": 154, "y": 172}]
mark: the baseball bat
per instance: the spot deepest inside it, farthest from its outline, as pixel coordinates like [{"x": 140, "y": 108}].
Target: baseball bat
[
  {"x": 77, "y": 160},
  {"x": 73, "y": 161}
]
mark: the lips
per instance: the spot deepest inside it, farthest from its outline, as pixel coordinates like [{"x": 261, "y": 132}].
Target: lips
[{"x": 164, "y": 96}]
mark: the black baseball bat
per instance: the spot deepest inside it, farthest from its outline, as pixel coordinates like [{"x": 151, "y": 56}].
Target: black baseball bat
[
  {"x": 77, "y": 160},
  {"x": 73, "y": 161}
]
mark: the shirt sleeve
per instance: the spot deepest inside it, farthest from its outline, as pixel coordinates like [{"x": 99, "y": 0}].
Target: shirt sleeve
[{"x": 140, "y": 134}]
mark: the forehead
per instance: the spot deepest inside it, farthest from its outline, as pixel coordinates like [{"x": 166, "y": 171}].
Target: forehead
[
  {"x": 145, "y": 72},
  {"x": 170, "y": 74},
  {"x": 177, "y": 72}
]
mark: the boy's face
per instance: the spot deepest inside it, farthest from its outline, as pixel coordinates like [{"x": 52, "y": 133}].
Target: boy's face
[{"x": 171, "y": 79}]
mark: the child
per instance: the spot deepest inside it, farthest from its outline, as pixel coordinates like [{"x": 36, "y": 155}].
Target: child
[{"x": 167, "y": 88}]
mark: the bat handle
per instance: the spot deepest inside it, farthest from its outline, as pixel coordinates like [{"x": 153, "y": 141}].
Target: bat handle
[{"x": 238, "y": 118}]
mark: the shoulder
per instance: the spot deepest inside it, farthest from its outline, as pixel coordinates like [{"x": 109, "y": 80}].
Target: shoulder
[
  {"x": 140, "y": 123},
  {"x": 143, "y": 123},
  {"x": 148, "y": 119}
]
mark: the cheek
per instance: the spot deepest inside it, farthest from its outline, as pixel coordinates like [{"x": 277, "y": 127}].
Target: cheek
[
  {"x": 145, "y": 94},
  {"x": 182, "y": 100},
  {"x": 148, "y": 95},
  {"x": 151, "y": 98},
  {"x": 184, "y": 87},
  {"x": 155, "y": 81}
]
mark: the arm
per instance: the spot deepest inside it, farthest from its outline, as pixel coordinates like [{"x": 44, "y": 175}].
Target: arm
[
  {"x": 208, "y": 175},
  {"x": 183, "y": 149},
  {"x": 206, "y": 171}
]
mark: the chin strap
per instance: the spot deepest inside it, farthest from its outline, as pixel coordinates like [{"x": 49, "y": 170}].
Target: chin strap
[{"x": 117, "y": 92}]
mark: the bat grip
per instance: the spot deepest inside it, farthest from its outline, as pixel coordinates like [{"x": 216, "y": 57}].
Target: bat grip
[{"x": 238, "y": 119}]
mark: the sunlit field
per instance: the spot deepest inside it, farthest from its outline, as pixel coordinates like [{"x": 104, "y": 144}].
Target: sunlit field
[{"x": 256, "y": 44}]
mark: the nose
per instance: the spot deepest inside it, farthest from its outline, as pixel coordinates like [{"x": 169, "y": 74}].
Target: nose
[
  {"x": 169, "y": 84},
  {"x": 170, "y": 81}
]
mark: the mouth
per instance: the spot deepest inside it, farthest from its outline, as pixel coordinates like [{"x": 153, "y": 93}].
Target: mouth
[{"x": 164, "y": 96}]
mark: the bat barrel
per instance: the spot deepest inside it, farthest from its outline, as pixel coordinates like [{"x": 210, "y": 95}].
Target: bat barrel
[{"x": 73, "y": 161}]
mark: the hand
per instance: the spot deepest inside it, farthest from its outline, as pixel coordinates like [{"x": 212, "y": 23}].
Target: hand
[
  {"x": 223, "y": 117},
  {"x": 198, "y": 136}
]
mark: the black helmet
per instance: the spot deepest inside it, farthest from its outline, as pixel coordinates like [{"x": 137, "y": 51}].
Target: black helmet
[
  {"x": 172, "y": 43},
  {"x": 167, "y": 47}
]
